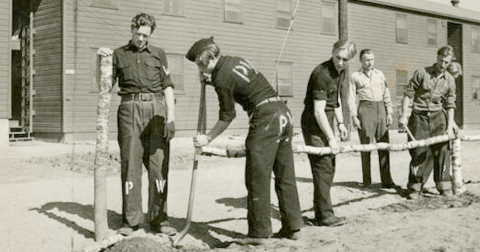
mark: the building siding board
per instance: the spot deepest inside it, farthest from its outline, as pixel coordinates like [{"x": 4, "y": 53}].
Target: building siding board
[
  {"x": 47, "y": 64},
  {"x": 5, "y": 7},
  {"x": 256, "y": 39}
]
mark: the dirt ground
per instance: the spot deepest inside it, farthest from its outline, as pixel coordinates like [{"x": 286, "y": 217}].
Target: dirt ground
[{"x": 47, "y": 194}]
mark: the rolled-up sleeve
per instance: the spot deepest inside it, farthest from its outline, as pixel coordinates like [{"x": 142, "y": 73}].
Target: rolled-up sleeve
[
  {"x": 164, "y": 72},
  {"x": 414, "y": 83},
  {"x": 449, "y": 101},
  {"x": 319, "y": 91},
  {"x": 227, "y": 104}
]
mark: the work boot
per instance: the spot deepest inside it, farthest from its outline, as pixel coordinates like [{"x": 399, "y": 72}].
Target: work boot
[
  {"x": 127, "y": 230},
  {"x": 414, "y": 195},
  {"x": 254, "y": 241},
  {"x": 333, "y": 221},
  {"x": 446, "y": 193},
  {"x": 287, "y": 233},
  {"x": 164, "y": 229}
]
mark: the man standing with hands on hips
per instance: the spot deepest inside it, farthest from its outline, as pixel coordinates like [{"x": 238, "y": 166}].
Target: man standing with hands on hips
[
  {"x": 374, "y": 115},
  {"x": 146, "y": 118}
]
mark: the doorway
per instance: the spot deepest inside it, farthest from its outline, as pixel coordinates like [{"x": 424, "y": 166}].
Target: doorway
[{"x": 455, "y": 40}]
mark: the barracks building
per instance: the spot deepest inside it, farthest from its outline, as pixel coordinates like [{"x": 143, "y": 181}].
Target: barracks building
[{"x": 49, "y": 81}]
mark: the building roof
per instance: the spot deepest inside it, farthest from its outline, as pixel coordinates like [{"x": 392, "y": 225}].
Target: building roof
[{"x": 432, "y": 8}]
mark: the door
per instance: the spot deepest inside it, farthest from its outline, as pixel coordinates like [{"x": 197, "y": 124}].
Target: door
[{"x": 455, "y": 40}]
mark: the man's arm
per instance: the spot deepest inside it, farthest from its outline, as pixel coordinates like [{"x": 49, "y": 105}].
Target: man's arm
[
  {"x": 352, "y": 103},
  {"x": 170, "y": 102},
  {"x": 340, "y": 120},
  {"x": 387, "y": 100},
  {"x": 219, "y": 128},
  {"x": 322, "y": 120}
]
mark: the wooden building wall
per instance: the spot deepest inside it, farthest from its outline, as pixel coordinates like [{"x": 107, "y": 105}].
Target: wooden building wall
[
  {"x": 47, "y": 82},
  {"x": 471, "y": 68},
  {"x": 88, "y": 27},
  {"x": 5, "y": 58},
  {"x": 372, "y": 26}
]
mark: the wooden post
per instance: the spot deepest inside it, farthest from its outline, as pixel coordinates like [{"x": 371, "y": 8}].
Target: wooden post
[
  {"x": 343, "y": 34},
  {"x": 101, "y": 152},
  {"x": 457, "y": 178}
]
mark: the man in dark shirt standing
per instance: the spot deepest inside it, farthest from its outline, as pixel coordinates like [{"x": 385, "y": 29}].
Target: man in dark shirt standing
[
  {"x": 322, "y": 105},
  {"x": 145, "y": 125},
  {"x": 433, "y": 91},
  {"x": 269, "y": 140}
]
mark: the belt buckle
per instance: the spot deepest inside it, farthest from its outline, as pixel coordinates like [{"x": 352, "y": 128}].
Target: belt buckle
[{"x": 143, "y": 97}]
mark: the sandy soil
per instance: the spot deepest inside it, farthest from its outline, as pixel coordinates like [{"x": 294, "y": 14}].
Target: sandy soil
[{"x": 47, "y": 195}]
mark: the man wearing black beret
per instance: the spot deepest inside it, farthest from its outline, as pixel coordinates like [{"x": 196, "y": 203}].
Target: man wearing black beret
[{"x": 268, "y": 143}]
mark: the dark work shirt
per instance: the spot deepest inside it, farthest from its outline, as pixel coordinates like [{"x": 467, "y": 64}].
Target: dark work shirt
[
  {"x": 141, "y": 71},
  {"x": 430, "y": 93},
  {"x": 236, "y": 80},
  {"x": 324, "y": 84}
]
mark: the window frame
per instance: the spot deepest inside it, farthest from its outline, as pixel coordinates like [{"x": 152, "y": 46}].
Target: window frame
[
  {"x": 105, "y": 4},
  {"x": 230, "y": 3},
  {"x": 475, "y": 88},
  {"x": 398, "y": 39},
  {"x": 475, "y": 41},
  {"x": 325, "y": 29},
  {"x": 401, "y": 82},
  {"x": 431, "y": 35},
  {"x": 289, "y": 79},
  {"x": 283, "y": 14},
  {"x": 171, "y": 13}
]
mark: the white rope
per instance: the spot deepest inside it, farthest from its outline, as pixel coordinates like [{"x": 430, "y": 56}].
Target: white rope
[{"x": 283, "y": 44}]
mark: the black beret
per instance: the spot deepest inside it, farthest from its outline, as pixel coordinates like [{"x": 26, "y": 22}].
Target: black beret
[{"x": 198, "y": 48}]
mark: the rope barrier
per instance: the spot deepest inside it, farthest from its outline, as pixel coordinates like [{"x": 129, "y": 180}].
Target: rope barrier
[{"x": 457, "y": 181}]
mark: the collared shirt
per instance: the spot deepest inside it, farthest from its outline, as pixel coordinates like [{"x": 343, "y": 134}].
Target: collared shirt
[
  {"x": 324, "y": 84},
  {"x": 369, "y": 86},
  {"x": 431, "y": 93},
  {"x": 236, "y": 80},
  {"x": 140, "y": 71}
]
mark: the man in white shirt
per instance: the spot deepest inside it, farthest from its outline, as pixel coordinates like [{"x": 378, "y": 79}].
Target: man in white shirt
[{"x": 374, "y": 114}]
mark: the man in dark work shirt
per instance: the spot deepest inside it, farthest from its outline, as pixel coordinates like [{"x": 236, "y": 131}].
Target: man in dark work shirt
[
  {"x": 269, "y": 140},
  {"x": 145, "y": 125},
  {"x": 322, "y": 106}
]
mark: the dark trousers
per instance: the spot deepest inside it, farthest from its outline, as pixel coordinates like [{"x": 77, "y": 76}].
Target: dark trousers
[
  {"x": 323, "y": 167},
  {"x": 141, "y": 139},
  {"x": 434, "y": 157},
  {"x": 372, "y": 116},
  {"x": 269, "y": 148}
]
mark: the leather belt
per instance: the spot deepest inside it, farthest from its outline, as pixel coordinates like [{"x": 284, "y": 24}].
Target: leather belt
[
  {"x": 268, "y": 100},
  {"x": 142, "y": 97}
]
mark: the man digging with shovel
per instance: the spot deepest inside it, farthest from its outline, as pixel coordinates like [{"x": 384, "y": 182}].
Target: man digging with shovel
[{"x": 269, "y": 140}]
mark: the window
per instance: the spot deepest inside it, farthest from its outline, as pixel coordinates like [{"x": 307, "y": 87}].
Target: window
[
  {"x": 329, "y": 18},
  {"x": 233, "y": 11},
  {"x": 284, "y": 80},
  {"x": 174, "y": 7},
  {"x": 177, "y": 71},
  {"x": 402, "y": 28},
  {"x": 476, "y": 39},
  {"x": 476, "y": 88},
  {"x": 108, "y": 4},
  {"x": 432, "y": 32},
  {"x": 284, "y": 13},
  {"x": 401, "y": 81}
]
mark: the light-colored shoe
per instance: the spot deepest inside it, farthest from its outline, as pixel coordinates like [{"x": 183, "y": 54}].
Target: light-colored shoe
[
  {"x": 251, "y": 241},
  {"x": 126, "y": 230}
]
